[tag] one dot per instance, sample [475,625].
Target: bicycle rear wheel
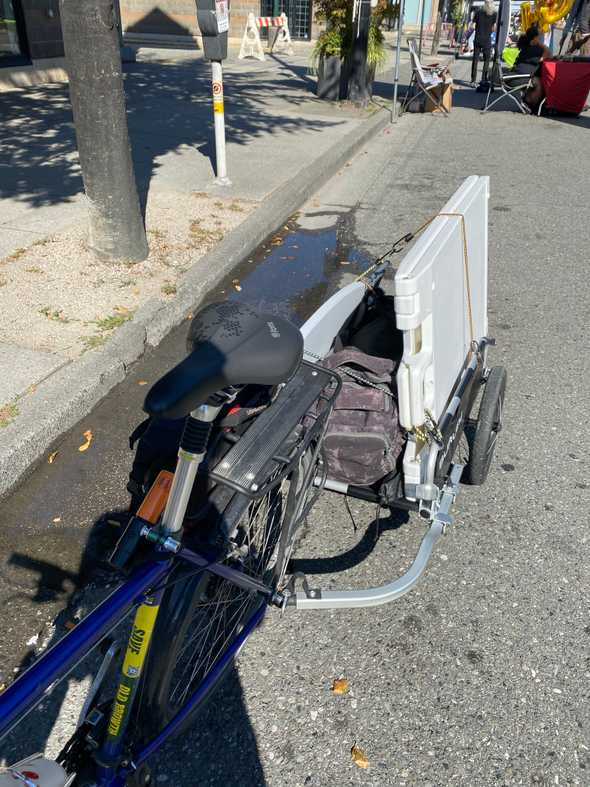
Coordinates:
[201,614]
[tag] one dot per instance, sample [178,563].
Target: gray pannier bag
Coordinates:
[363,438]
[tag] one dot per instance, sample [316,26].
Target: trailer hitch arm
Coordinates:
[371,597]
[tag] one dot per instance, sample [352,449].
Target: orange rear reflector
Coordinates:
[155,500]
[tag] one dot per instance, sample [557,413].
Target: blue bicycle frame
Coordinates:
[29,689]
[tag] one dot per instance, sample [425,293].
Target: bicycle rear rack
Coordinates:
[315,598]
[264,454]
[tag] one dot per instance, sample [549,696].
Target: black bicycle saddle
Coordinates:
[229,344]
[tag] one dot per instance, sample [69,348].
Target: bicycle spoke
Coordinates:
[216,615]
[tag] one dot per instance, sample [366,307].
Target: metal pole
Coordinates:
[400,27]
[219,118]
[421,28]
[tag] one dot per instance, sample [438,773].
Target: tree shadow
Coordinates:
[168,107]
[355,556]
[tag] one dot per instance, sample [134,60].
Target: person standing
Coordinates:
[580,42]
[485,24]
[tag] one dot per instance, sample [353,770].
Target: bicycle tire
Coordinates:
[489,424]
[200,615]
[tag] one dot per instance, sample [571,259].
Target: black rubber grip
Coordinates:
[195,436]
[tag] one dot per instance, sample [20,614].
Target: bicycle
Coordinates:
[201,594]
[208,550]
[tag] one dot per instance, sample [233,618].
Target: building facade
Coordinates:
[177,19]
[30,30]
[414,9]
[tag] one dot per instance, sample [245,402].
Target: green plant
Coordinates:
[376,54]
[121,316]
[56,315]
[8,413]
[335,13]
[329,44]
[385,10]
[336,40]
[457,12]
[92,342]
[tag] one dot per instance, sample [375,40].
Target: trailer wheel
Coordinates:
[489,424]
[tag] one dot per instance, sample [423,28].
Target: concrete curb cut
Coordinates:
[63,399]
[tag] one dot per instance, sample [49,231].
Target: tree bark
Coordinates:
[91,43]
[357,81]
[437,29]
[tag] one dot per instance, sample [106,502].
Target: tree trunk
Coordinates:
[438,27]
[357,81]
[91,43]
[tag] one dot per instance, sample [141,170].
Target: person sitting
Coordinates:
[528,63]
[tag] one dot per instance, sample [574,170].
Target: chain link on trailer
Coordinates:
[359,378]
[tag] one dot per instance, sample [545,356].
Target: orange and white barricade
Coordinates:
[251,43]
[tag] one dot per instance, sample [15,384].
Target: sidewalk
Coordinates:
[69,324]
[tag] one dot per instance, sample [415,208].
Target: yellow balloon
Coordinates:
[550,14]
[526,16]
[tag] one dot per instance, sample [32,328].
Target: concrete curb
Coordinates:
[63,399]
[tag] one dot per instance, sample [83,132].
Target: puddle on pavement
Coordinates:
[295,269]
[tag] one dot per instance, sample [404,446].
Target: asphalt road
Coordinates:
[481,675]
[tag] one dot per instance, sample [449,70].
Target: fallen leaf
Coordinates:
[2,686]
[359,757]
[340,686]
[142,382]
[70,624]
[51,457]
[85,446]
[56,520]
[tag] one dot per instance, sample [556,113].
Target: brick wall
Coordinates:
[43,28]
[178,17]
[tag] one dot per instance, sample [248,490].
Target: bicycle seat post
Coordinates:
[193,447]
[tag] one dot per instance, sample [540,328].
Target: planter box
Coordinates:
[329,74]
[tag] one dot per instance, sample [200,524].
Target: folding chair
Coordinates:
[425,78]
[505,81]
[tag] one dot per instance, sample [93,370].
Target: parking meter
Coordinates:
[213,19]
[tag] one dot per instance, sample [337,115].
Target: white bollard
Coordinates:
[219,118]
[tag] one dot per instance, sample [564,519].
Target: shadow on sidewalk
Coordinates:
[168,107]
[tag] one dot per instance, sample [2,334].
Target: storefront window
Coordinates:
[10,41]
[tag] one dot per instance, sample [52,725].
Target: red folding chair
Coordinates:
[566,84]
